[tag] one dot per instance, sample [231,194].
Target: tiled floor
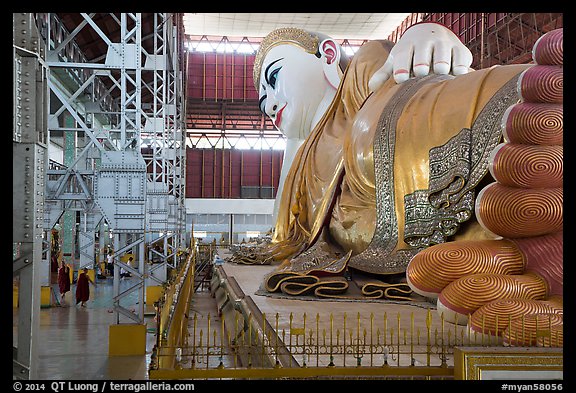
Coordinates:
[73,343]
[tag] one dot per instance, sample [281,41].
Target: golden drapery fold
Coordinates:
[317,168]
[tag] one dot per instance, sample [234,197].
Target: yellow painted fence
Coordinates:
[240,342]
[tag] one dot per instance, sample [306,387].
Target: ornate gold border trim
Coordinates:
[469,363]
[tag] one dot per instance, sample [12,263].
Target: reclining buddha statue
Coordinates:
[407,172]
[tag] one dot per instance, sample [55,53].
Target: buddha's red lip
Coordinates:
[278,119]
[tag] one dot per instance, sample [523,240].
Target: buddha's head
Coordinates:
[294,72]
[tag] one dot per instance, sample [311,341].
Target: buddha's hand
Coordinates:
[512,287]
[422,49]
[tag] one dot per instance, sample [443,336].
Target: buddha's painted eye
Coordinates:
[273,77]
[262,103]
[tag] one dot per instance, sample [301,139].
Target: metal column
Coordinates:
[29,153]
[165,139]
[69,217]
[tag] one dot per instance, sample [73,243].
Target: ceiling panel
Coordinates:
[336,25]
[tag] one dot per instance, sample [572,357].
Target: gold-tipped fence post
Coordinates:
[290,332]
[455,330]
[344,341]
[263,339]
[222,336]
[236,338]
[249,340]
[429,336]
[371,339]
[214,342]
[277,362]
[194,327]
[398,334]
[317,339]
[243,345]
[208,342]
[331,364]
[412,360]
[304,343]
[442,320]
[288,350]
[200,345]
[358,356]
[392,343]
[337,338]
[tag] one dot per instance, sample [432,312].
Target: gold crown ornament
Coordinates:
[284,35]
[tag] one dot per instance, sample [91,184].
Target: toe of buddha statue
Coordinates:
[518,322]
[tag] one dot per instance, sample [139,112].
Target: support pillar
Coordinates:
[69,216]
[28,182]
[231,231]
[28,175]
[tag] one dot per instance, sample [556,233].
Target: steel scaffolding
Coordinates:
[101,85]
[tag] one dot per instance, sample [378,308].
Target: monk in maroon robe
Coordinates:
[82,288]
[63,279]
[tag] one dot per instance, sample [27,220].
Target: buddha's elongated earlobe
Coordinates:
[330,54]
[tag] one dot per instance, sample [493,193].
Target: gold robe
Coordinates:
[390,173]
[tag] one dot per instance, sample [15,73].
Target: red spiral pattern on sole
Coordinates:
[543,84]
[549,49]
[495,317]
[434,268]
[468,294]
[533,123]
[517,212]
[528,166]
[543,330]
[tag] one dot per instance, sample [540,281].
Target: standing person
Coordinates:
[54,265]
[63,280]
[83,287]
[110,263]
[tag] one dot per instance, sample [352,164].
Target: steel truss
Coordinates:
[110,103]
[163,135]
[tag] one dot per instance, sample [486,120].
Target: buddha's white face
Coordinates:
[292,88]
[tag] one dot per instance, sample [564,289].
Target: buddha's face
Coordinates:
[292,86]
